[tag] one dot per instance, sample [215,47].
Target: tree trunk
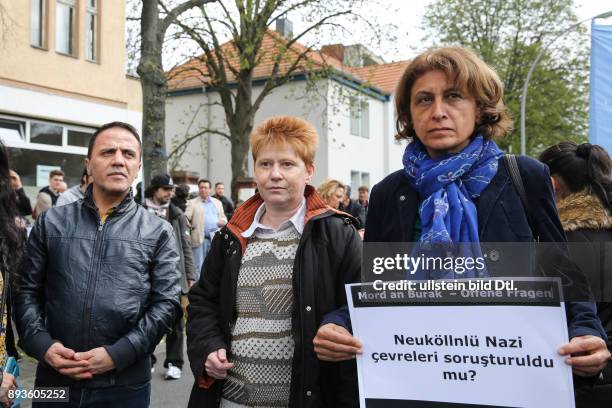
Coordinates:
[241,126]
[154,89]
[239,152]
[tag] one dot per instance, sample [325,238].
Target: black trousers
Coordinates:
[174,344]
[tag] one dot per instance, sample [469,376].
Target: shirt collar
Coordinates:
[151,203]
[104,216]
[297,220]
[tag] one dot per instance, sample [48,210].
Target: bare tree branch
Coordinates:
[194,136]
[229,69]
[154,83]
[275,81]
[285,12]
[173,14]
[232,24]
[6,22]
[214,65]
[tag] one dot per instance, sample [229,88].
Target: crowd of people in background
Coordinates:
[105,274]
[220,207]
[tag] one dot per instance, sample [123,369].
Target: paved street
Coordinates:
[164,393]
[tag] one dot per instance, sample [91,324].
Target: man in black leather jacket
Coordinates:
[100,285]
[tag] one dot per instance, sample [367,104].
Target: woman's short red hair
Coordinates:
[290,130]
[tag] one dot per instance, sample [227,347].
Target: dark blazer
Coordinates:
[394,204]
[501,218]
[393,211]
[180,225]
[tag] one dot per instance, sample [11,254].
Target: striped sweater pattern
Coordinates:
[262,341]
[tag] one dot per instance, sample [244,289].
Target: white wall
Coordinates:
[188,115]
[355,153]
[395,149]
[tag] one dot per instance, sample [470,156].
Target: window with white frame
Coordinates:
[91,31]
[78,137]
[38,23]
[358,179]
[34,144]
[46,133]
[360,116]
[29,163]
[12,131]
[16,130]
[65,27]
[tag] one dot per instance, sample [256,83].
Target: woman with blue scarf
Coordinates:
[455,188]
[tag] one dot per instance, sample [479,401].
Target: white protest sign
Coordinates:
[475,347]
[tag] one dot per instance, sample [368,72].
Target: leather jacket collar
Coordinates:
[124,205]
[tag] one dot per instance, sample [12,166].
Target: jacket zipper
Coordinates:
[91,280]
[302,391]
[297,269]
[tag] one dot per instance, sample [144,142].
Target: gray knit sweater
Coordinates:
[262,342]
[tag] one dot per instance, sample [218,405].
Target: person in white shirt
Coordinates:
[205,213]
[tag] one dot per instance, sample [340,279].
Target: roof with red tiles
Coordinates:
[383,76]
[194,74]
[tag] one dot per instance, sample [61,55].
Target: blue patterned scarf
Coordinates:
[448,185]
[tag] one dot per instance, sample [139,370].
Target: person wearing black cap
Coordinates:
[157,201]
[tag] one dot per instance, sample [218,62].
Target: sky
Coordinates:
[407,15]
[402,20]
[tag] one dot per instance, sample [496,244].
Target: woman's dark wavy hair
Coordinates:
[11,236]
[581,166]
[467,71]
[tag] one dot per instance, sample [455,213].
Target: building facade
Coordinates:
[352,111]
[62,75]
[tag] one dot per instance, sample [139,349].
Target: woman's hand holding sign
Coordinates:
[588,355]
[334,343]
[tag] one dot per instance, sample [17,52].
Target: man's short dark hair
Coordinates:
[54,173]
[202,180]
[364,189]
[217,184]
[182,191]
[111,125]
